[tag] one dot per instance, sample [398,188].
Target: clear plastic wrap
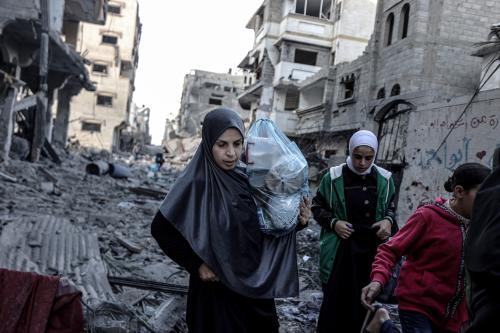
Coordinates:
[278,174]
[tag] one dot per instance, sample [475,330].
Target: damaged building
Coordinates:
[294,40]
[418,85]
[38,60]
[101,118]
[204,91]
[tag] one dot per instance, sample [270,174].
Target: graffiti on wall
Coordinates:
[450,156]
[486,121]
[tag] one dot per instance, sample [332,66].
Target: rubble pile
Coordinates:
[94,229]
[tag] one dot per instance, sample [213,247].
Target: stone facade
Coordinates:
[98,118]
[412,83]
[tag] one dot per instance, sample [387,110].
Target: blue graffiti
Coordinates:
[449,158]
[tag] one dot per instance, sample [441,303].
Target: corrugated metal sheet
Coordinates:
[54,246]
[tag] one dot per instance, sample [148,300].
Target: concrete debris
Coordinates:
[95,230]
[129,245]
[6,177]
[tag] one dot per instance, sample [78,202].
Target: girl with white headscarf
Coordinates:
[355,207]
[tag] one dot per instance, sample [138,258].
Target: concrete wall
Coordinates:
[473,139]
[120,87]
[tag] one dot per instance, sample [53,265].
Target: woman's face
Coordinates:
[362,157]
[228,148]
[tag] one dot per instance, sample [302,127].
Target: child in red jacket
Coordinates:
[431,284]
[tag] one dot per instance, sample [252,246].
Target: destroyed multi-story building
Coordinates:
[295,39]
[38,60]
[204,91]
[99,118]
[415,85]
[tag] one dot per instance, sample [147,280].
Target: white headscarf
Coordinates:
[362,138]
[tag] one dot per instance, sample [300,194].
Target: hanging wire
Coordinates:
[476,92]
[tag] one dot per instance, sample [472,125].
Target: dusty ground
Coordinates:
[119,215]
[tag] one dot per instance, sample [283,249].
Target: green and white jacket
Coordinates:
[332,189]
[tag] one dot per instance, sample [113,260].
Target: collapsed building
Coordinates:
[37,60]
[204,91]
[419,85]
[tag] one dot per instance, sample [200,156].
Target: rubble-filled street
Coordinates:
[95,230]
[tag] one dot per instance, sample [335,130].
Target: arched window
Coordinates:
[381,93]
[396,90]
[404,20]
[389,27]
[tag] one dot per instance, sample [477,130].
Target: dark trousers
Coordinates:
[414,322]
[389,327]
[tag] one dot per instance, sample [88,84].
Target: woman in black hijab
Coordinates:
[482,257]
[208,224]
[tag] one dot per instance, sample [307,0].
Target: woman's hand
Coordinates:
[384,229]
[343,229]
[206,274]
[305,211]
[369,293]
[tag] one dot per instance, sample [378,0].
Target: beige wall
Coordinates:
[84,106]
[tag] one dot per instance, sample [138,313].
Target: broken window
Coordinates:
[90,126]
[259,19]
[99,69]
[338,10]
[227,89]
[214,101]
[396,90]
[381,93]
[348,84]
[291,100]
[126,69]
[404,20]
[114,9]
[389,26]
[332,59]
[104,100]
[305,57]
[315,8]
[326,10]
[109,39]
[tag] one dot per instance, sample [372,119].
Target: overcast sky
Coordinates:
[178,36]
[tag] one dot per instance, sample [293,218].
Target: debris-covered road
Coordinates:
[95,230]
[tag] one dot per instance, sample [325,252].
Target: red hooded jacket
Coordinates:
[431,280]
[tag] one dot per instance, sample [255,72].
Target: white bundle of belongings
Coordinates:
[277,172]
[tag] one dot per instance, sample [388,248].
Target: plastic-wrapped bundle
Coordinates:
[277,172]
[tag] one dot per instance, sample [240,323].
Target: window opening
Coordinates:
[305,57]
[91,127]
[104,100]
[114,9]
[214,101]
[389,26]
[381,93]
[108,39]
[100,68]
[404,21]
[396,90]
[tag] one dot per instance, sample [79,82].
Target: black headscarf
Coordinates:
[482,245]
[214,210]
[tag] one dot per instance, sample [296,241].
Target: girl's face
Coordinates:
[227,149]
[465,199]
[362,158]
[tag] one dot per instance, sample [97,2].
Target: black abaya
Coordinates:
[212,307]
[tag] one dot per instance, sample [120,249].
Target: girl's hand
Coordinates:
[369,293]
[206,274]
[384,229]
[305,211]
[343,229]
